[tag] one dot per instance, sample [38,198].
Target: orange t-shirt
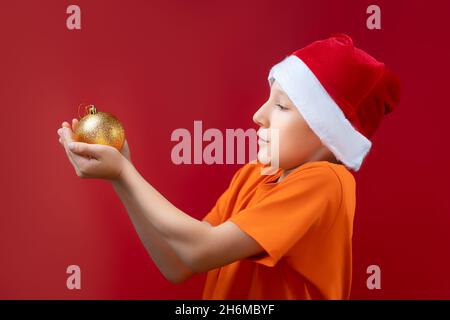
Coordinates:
[304,223]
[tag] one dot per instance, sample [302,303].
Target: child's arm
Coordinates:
[179,244]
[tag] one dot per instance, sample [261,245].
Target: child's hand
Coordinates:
[92,160]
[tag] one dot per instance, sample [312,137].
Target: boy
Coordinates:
[281,236]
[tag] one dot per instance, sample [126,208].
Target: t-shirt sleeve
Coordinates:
[286,213]
[214,216]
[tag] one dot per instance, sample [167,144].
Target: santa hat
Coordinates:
[342,93]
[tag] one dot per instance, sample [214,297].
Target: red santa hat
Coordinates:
[342,93]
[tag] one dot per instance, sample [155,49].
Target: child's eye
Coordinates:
[281,107]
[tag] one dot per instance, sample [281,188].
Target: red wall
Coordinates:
[160,65]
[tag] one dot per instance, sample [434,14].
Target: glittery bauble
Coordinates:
[100,128]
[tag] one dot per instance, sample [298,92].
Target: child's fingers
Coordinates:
[65,124]
[61,136]
[67,135]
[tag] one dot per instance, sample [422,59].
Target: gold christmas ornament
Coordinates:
[99,128]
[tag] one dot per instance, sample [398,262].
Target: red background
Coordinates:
[160,65]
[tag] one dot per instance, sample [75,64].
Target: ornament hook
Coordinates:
[79,117]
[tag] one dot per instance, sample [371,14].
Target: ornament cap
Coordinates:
[91,109]
[88,109]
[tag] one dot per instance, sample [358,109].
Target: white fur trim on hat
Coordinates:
[320,111]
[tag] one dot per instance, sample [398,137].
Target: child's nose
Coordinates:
[260,118]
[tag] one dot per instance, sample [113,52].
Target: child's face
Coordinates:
[298,144]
